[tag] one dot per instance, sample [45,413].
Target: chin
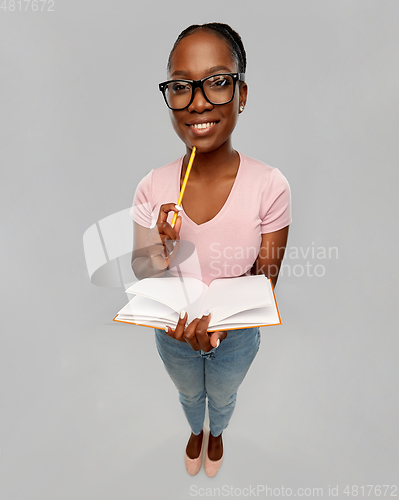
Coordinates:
[203,146]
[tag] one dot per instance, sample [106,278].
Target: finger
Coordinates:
[172,334]
[159,262]
[181,325]
[156,253]
[168,237]
[165,231]
[201,332]
[172,247]
[155,249]
[161,241]
[155,244]
[216,338]
[164,210]
[178,226]
[169,331]
[189,335]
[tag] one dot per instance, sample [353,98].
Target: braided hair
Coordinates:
[223,31]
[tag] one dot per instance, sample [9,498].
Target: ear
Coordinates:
[243,93]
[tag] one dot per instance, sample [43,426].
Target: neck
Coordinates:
[214,163]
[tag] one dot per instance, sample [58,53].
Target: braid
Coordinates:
[224,31]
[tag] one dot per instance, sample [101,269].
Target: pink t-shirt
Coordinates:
[227,245]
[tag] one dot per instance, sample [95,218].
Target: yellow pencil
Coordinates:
[183,187]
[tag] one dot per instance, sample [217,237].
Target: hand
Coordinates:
[196,333]
[162,240]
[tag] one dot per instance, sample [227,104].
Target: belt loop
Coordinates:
[208,355]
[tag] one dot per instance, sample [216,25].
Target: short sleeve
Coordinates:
[141,211]
[276,203]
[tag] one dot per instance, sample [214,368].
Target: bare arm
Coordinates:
[152,248]
[141,264]
[271,253]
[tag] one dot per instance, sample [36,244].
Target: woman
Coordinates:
[232,204]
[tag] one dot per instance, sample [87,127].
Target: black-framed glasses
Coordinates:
[217,89]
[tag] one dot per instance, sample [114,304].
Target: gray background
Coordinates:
[87,409]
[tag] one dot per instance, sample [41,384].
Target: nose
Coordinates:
[199,104]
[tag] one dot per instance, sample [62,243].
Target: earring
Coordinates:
[241,108]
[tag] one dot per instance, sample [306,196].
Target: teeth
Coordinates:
[203,125]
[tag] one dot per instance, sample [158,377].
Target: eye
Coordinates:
[220,81]
[180,87]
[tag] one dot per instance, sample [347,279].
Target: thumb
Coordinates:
[178,226]
[215,336]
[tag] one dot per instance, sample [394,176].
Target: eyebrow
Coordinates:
[210,70]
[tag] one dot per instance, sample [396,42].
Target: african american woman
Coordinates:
[235,213]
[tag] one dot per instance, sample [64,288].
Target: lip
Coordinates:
[201,120]
[201,131]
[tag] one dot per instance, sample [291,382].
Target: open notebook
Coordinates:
[234,303]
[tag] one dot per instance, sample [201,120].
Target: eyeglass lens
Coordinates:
[218,89]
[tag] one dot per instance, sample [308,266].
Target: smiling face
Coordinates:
[204,125]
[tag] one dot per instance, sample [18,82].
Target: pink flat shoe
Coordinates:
[193,465]
[211,466]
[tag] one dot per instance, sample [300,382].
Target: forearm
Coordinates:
[142,269]
[271,254]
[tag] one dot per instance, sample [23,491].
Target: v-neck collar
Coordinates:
[215,219]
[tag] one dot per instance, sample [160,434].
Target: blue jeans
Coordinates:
[216,374]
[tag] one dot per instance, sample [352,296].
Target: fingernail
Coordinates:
[182,314]
[166,329]
[218,343]
[206,313]
[178,207]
